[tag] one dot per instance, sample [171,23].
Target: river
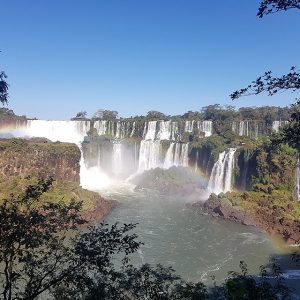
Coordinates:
[197,246]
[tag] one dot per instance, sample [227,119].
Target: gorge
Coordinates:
[218,158]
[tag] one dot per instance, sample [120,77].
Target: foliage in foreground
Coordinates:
[43,252]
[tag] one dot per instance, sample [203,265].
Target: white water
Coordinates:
[63,131]
[206,127]
[149,155]
[117,159]
[189,126]
[101,127]
[164,132]
[221,175]
[151,130]
[169,160]
[276,125]
[175,131]
[177,155]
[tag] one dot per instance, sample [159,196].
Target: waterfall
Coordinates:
[189,126]
[174,131]
[206,127]
[133,129]
[221,175]
[151,130]
[118,134]
[276,125]
[164,132]
[298,180]
[63,131]
[149,155]
[177,155]
[169,160]
[196,163]
[117,158]
[184,157]
[101,127]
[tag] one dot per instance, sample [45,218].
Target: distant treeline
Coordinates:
[215,112]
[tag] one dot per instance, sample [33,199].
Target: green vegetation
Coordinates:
[43,253]
[60,191]
[39,144]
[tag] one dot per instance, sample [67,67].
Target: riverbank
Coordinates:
[277,213]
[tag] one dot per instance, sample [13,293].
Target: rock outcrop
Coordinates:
[174,181]
[39,157]
[22,162]
[277,220]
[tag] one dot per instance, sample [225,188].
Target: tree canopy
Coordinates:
[272,6]
[106,114]
[81,114]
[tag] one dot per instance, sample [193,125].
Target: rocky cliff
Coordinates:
[23,162]
[39,157]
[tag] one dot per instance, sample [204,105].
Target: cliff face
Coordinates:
[40,158]
[22,162]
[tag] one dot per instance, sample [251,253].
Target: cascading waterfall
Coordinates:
[206,127]
[276,125]
[149,155]
[133,130]
[71,132]
[189,126]
[184,158]
[250,128]
[196,163]
[169,159]
[101,127]
[117,158]
[63,131]
[174,131]
[221,175]
[177,155]
[164,132]
[151,130]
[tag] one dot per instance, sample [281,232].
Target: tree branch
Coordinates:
[270,84]
[273,6]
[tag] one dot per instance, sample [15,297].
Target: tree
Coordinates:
[81,114]
[41,247]
[273,6]
[43,253]
[267,82]
[105,114]
[3,88]
[155,115]
[270,84]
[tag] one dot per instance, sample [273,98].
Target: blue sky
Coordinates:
[63,56]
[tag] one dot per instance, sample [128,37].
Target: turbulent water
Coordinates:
[196,245]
